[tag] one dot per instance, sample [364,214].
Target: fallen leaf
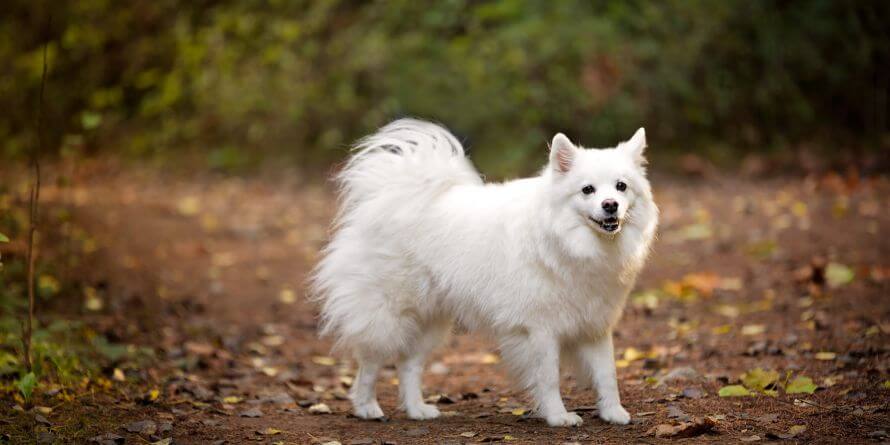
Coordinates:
[753,329]
[759,380]
[253,413]
[751,438]
[144,427]
[693,393]
[287,296]
[320,408]
[269,432]
[631,354]
[519,411]
[108,439]
[699,426]
[825,355]
[232,400]
[801,385]
[417,432]
[189,206]
[167,441]
[118,375]
[324,361]
[837,275]
[793,432]
[490,359]
[468,434]
[40,419]
[734,391]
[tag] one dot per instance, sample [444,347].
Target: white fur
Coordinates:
[421,242]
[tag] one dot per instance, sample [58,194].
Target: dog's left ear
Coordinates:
[635,146]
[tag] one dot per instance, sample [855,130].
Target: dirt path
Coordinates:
[214,269]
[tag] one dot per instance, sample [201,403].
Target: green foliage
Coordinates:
[62,350]
[26,385]
[4,238]
[308,77]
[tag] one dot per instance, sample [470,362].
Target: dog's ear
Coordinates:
[562,153]
[635,146]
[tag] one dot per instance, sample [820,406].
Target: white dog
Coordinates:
[542,264]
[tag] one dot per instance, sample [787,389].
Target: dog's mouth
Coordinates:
[609,225]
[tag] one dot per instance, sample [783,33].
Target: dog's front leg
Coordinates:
[534,358]
[598,359]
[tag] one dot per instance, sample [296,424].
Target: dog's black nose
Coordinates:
[610,206]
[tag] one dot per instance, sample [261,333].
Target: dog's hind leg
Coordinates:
[411,372]
[364,393]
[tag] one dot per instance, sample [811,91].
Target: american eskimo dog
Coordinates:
[543,264]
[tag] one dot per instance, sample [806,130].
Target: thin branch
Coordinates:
[33,214]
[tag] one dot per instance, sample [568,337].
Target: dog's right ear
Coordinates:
[562,153]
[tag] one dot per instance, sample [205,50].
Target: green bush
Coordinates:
[305,78]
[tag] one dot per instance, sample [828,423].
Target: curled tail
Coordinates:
[406,157]
[391,178]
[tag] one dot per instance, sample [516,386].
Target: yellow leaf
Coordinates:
[723,329]
[324,361]
[287,296]
[631,354]
[518,411]
[753,329]
[825,355]
[118,375]
[153,395]
[490,359]
[231,400]
[622,363]
[508,438]
[727,310]
[270,431]
[189,206]
[758,379]
[92,300]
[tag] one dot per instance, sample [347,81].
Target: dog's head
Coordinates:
[602,189]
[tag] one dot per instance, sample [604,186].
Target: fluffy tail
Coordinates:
[393,175]
[408,157]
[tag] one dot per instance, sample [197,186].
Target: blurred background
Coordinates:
[184,148]
[233,83]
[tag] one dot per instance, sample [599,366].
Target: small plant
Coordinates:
[26,386]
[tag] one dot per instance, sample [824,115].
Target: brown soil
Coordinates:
[202,270]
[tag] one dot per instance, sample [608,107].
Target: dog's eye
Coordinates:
[588,189]
[621,186]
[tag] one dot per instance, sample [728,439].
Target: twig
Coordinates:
[834,410]
[33,214]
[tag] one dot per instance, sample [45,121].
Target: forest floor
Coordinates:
[785,274]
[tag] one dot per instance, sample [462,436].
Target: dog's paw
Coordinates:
[422,411]
[564,419]
[615,414]
[368,411]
